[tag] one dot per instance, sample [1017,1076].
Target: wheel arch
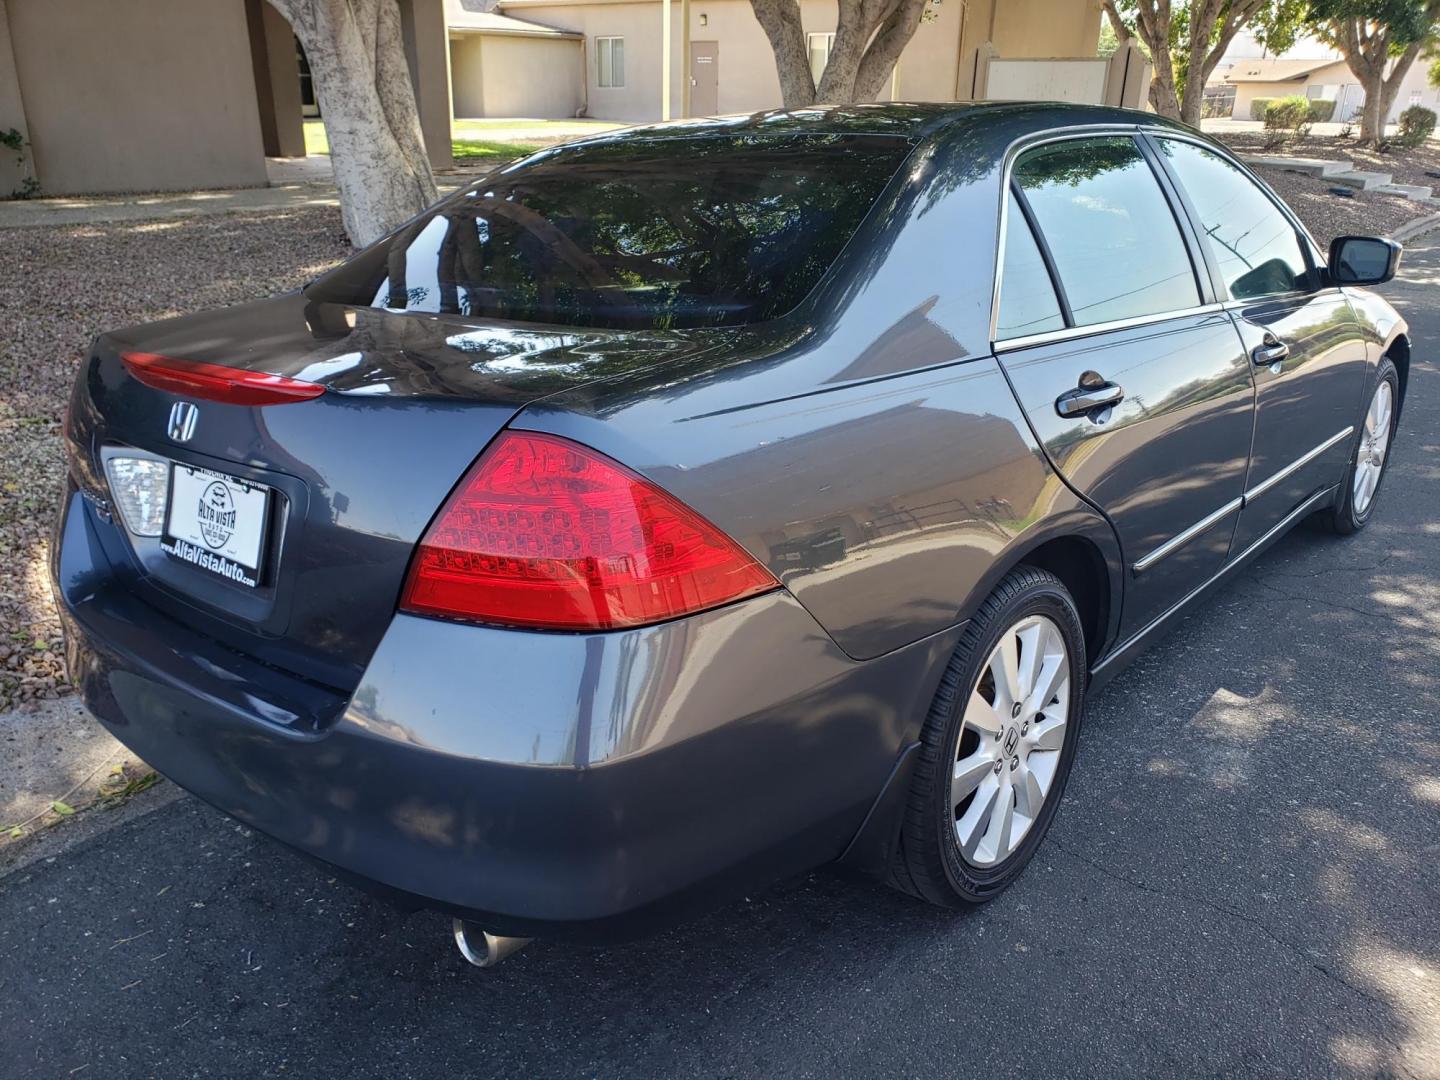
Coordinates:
[1081,566]
[1398,350]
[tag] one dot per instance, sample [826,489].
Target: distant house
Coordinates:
[1320,79]
[722,61]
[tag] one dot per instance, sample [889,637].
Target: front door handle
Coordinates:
[1270,351]
[1087,398]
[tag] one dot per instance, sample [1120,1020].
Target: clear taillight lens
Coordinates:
[544,532]
[140,487]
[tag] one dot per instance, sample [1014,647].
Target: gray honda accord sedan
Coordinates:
[676,510]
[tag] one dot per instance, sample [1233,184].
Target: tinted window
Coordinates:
[1027,296]
[1254,243]
[1110,231]
[664,233]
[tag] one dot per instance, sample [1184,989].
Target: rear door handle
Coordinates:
[1085,399]
[1270,351]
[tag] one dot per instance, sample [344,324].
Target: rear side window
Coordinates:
[1254,244]
[661,233]
[1028,304]
[1114,240]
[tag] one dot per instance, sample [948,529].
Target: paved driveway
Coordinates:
[1243,879]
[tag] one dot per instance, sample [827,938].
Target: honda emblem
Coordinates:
[183,418]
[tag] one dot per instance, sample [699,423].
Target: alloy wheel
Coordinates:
[1374,442]
[1010,744]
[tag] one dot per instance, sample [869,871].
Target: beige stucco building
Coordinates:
[721,61]
[1323,79]
[171,95]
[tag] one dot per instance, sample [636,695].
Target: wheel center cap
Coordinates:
[1012,740]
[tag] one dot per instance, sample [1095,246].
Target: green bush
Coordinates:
[1258,107]
[1321,110]
[1416,125]
[1287,113]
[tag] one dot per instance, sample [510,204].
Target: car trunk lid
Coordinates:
[349,479]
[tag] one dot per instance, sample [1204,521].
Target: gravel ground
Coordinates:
[1406,166]
[1327,215]
[61,286]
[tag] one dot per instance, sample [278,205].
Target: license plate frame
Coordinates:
[217,522]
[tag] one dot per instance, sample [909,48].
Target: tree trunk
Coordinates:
[1183,98]
[780,19]
[1372,116]
[362,83]
[870,35]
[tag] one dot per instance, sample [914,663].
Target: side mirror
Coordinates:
[1363,260]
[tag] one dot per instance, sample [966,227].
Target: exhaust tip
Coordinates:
[482,948]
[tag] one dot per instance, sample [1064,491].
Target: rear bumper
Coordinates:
[584,785]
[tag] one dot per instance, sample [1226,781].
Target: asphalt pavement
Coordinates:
[1244,878]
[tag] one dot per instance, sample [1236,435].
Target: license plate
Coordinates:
[217,522]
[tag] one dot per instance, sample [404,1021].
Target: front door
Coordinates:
[1133,378]
[1306,350]
[704,78]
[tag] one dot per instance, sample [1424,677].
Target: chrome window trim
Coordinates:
[1050,135]
[1299,463]
[1043,138]
[1070,332]
[1181,539]
[1012,151]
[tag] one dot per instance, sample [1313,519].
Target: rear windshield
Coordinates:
[661,233]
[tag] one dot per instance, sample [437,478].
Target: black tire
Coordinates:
[1342,519]
[928,862]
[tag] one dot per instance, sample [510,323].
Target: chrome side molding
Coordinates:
[1209,521]
[1117,657]
[1181,539]
[1299,463]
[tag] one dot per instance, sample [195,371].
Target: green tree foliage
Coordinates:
[1380,40]
[1187,38]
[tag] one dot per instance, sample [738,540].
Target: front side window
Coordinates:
[665,233]
[1113,238]
[1028,304]
[610,59]
[1255,245]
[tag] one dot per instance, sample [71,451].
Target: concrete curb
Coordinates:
[1415,228]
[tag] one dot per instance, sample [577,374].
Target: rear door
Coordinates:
[1305,345]
[1128,369]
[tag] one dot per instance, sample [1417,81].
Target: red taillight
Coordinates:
[544,532]
[215,382]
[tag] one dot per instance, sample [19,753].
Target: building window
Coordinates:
[1414,97]
[1218,100]
[610,57]
[820,46]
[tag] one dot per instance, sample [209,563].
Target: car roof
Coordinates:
[912,120]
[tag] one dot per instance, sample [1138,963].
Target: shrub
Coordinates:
[1416,125]
[1287,113]
[1321,110]
[1258,107]
[1285,118]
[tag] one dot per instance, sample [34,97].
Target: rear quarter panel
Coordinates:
[867,449]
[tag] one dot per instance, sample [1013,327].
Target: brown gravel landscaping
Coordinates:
[1327,215]
[65,285]
[1407,166]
